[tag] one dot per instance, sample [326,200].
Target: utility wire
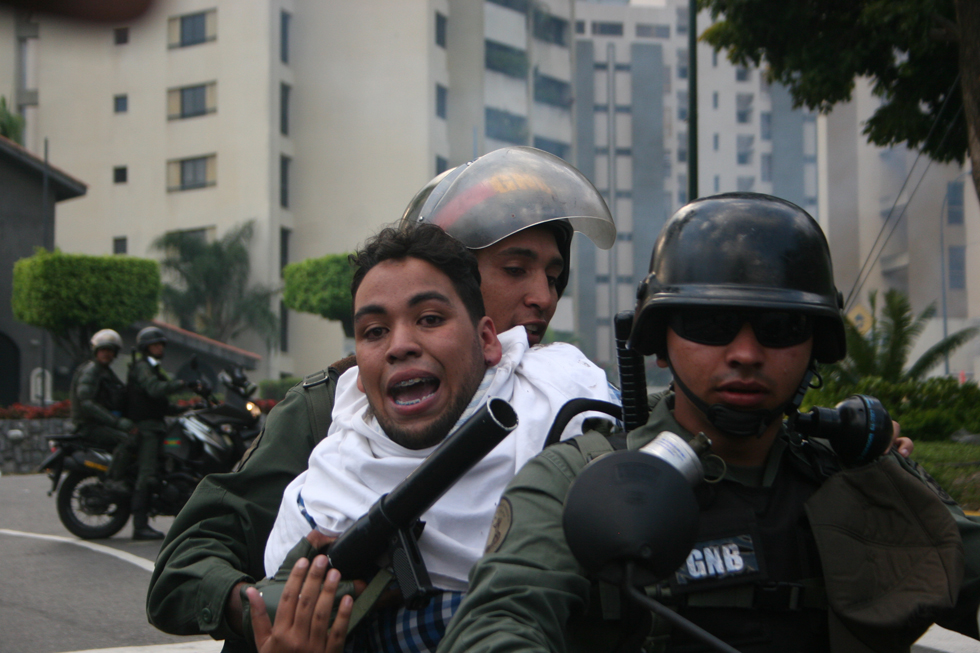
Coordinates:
[868,262]
[902,214]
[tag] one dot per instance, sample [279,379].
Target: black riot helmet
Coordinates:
[511,189]
[149,336]
[741,250]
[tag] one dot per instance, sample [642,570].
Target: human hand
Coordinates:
[904,446]
[303,617]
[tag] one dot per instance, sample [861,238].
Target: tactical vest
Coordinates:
[141,405]
[110,392]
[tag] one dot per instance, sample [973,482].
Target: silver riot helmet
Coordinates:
[490,198]
[106,339]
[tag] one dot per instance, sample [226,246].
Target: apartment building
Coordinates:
[318,121]
[896,220]
[631,82]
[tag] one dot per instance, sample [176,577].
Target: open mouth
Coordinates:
[413,391]
[535,332]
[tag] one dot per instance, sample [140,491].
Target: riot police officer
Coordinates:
[98,400]
[148,388]
[792,552]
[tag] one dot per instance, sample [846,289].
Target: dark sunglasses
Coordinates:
[718,327]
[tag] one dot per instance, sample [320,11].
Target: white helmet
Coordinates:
[106,338]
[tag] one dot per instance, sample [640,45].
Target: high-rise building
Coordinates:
[316,120]
[896,220]
[631,83]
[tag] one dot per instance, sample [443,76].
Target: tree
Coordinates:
[72,296]
[211,294]
[884,350]
[913,50]
[11,124]
[321,286]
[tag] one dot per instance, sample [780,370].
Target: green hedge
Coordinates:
[929,410]
[277,388]
[956,466]
[321,286]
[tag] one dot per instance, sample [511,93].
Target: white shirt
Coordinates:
[357,463]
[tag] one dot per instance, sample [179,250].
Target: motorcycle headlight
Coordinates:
[253,409]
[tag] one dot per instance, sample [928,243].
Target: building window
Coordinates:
[682,62]
[549,90]
[682,105]
[717,183]
[954,202]
[505,59]
[743,108]
[550,29]
[442,94]
[714,100]
[284,235]
[284,162]
[191,101]
[714,58]
[682,189]
[506,126]
[606,29]
[649,31]
[765,126]
[442,164]
[283,327]
[516,5]
[284,90]
[765,162]
[119,175]
[682,147]
[715,141]
[668,164]
[559,149]
[192,29]
[741,74]
[119,245]
[744,146]
[284,20]
[683,19]
[120,103]
[957,267]
[190,173]
[745,184]
[120,35]
[441,23]
[668,73]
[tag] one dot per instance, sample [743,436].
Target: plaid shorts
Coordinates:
[400,630]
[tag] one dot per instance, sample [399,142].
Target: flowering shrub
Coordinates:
[60,409]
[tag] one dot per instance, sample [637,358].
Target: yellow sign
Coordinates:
[860,317]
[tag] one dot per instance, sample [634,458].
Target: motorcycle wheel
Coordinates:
[88,510]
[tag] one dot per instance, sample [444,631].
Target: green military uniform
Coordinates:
[529,593]
[218,539]
[149,387]
[97,399]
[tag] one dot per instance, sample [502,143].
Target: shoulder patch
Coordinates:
[502,520]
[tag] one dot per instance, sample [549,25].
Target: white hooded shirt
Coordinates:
[357,463]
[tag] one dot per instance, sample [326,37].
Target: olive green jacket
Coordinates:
[95,389]
[218,539]
[529,593]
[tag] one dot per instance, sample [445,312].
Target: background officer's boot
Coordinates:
[141,529]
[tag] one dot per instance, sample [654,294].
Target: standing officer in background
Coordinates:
[740,304]
[98,399]
[149,387]
[516,208]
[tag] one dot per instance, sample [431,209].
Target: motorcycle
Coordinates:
[209,438]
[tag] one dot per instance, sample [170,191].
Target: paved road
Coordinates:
[59,594]
[55,594]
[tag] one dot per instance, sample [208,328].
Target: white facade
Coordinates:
[380,96]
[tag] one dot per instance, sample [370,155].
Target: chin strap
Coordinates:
[744,423]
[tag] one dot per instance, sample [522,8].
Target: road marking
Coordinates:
[201,646]
[142,563]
